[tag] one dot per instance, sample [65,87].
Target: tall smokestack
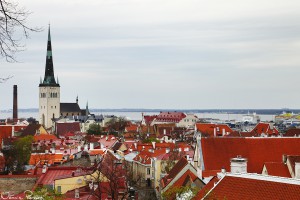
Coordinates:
[15,106]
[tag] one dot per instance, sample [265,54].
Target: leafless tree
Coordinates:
[3,80]
[13,20]
[109,177]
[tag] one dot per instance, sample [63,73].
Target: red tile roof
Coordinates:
[46,137]
[173,172]
[217,152]
[293,159]
[206,188]
[49,157]
[64,128]
[265,128]
[170,117]
[53,173]
[149,118]
[132,128]
[277,169]
[208,129]
[293,132]
[233,187]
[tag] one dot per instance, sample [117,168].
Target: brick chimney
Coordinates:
[15,104]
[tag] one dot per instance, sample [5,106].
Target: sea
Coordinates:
[137,116]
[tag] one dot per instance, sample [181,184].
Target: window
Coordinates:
[59,189]
[148,171]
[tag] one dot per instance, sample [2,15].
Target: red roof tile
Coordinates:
[209,129]
[46,137]
[265,128]
[53,173]
[217,152]
[174,171]
[231,187]
[64,128]
[277,169]
[170,117]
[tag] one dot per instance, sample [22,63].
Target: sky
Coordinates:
[165,54]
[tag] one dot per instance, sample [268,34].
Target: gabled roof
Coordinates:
[31,129]
[210,129]
[218,151]
[293,159]
[53,173]
[41,158]
[277,169]
[44,137]
[174,171]
[170,117]
[70,107]
[255,187]
[292,132]
[265,128]
[149,118]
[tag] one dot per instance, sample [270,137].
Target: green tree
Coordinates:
[117,124]
[183,192]
[94,129]
[44,193]
[23,148]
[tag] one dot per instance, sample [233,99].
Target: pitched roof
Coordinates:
[277,169]
[293,159]
[31,129]
[174,171]
[53,173]
[70,107]
[218,151]
[210,129]
[255,187]
[64,128]
[35,158]
[170,116]
[265,128]
[292,132]
[44,137]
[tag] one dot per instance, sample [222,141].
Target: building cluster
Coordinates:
[171,155]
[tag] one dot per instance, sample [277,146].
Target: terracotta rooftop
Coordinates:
[64,128]
[53,173]
[210,129]
[174,171]
[265,128]
[217,152]
[277,169]
[255,187]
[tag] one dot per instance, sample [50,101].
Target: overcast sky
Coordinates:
[175,54]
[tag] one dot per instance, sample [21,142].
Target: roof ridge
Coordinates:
[262,177]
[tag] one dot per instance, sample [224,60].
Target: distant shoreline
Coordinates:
[229,111]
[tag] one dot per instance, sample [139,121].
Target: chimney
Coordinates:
[153,144]
[167,150]
[91,146]
[15,104]
[44,169]
[284,158]
[238,165]
[297,170]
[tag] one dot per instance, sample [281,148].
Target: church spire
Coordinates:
[49,79]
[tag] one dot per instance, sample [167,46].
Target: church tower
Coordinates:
[49,91]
